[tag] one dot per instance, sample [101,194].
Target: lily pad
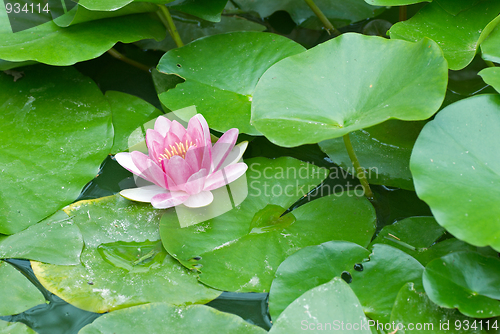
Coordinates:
[14,328]
[415,308]
[388,269]
[346,11]
[384,150]
[123,263]
[18,294]
[56,130]
[300,271]
[207,10]
[113,5]
[157,317]
[453,168]
[458,34]
[307,98]
[53,240]
[80,14]
[491,76]
[77,43]
[260,227]
[490,48]
[222,90]
[412,235]
[465,280]
[332,305]
[190,30]
[130,113]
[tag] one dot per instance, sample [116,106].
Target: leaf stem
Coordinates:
[489,63]
[403,13]
[129,61]
[360,172]
[167,20]
[324,20]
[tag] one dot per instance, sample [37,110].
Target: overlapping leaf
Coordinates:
[456,173]
[56,130]
[492,77]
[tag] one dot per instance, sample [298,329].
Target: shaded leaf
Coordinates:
[492,77]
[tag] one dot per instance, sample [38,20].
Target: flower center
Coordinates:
[179,149]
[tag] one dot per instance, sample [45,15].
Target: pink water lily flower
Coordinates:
[182,164]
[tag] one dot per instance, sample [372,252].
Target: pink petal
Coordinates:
[195,183]
[179,171]
[222,148]
[169,199]
[195,130]
[153,137]
[125,160]
[149,169]
[177,129]
[235,155]
[162,125]
[225,176]
[201,199]
[194,156]
[142,194]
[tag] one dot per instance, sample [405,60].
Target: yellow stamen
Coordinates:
[179,149]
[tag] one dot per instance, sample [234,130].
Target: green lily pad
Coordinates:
[412,235]
[80,14]
[158,317]
[465,280]
[491,76]
[53,240]
[394,2]
[301,271]
[56,130]
[307,98]
[14,328]
[130,113]
[388,269]
[123,263]
[490,48]
[18,294]
[207,10]
[257,227]
[190,30]
[113,5]
[347,11]
[458,34]
[222,90]
[415,308]
[330,306]
[453,168]
[77,43]
[384,150]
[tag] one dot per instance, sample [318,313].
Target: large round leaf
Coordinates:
[56,130]
[14,328]
[163,318]
[456,171]
[457,33]
[491,76]
[130,113]
[18,294]
[299,272]
[79,42]
[309,97]
[123,263]
[53,240]
[413,312]
[384,150]
[221,72]
[465,280]
[332,305]
[248,243]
